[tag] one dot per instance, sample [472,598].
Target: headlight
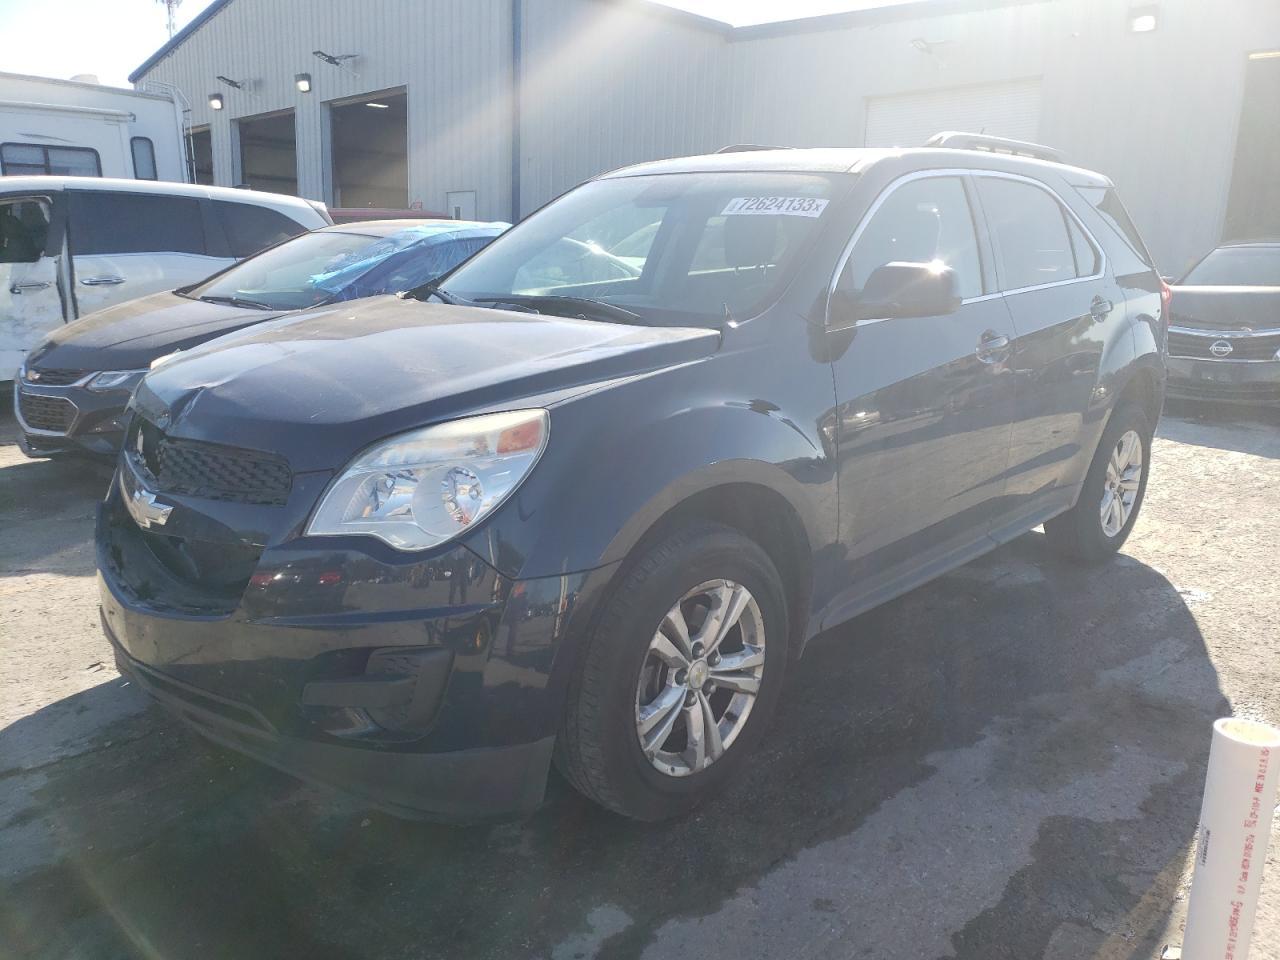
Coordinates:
[109,380]
[426,487]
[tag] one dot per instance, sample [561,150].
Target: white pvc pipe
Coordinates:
[1235,827]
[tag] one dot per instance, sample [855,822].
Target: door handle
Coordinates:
[19,288]
[992,347]
[1100,309]
[102,281]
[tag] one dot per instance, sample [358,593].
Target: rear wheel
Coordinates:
[1100,522]
[680,677]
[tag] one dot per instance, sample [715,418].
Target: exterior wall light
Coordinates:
[303,82]
[215,101]
[1143,19]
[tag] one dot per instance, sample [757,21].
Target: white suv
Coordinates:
[73,245]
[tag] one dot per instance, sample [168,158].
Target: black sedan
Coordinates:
[1224,339]
[71,392]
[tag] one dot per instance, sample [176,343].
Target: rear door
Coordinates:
[924,404]
[126,245]
[30,298]
[1065,311]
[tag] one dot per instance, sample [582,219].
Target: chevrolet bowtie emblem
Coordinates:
[146,510]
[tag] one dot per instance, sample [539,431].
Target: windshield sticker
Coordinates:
[775,206]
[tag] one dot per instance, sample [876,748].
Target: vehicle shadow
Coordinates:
[1000,764]
[1250,430]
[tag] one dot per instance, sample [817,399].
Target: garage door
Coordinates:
[1000,109]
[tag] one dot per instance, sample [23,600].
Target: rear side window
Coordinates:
[1130,255]
[144,158]
[1030,231]
[34,159]
[106,223]
[251,228]
[920,221]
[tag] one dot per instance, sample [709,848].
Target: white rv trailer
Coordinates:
[73,128]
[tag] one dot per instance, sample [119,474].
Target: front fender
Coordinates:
[620,458]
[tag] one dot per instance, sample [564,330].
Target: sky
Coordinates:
[110,38]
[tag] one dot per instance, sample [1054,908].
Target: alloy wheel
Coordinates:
[700,678]
[1120,487]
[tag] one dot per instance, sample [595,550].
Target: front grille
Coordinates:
[55,378]
[213,471]
[1196,347]
[55,414]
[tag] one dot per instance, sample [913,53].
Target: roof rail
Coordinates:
[980,141]
[749,148]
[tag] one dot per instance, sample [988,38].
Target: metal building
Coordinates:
[490,108]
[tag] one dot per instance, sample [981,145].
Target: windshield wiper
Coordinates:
[238,302]
[582,307]
[432,289]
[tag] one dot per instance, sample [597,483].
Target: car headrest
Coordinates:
[750,241]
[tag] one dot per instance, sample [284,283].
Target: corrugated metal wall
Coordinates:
[609,82]
[452,56]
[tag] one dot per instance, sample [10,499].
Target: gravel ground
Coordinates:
[1006,763]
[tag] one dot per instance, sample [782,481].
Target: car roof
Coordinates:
[37,184]
[855,160]
[385,228]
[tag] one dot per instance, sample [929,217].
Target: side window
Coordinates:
[144,158]
[251,228]
[107,223]
[1030,233]
[921,221]
[1130,254]
[1088,258]
[18,159]
[24,229]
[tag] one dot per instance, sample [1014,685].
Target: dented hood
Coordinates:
[319,386]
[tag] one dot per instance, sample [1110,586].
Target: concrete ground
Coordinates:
[1006,763]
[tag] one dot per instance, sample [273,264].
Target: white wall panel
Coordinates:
[999,109]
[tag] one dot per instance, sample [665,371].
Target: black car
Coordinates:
[71,391]
[423,548]
[1224,334]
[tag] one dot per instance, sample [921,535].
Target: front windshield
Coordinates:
[304,272]
[674,248]
[1237,267]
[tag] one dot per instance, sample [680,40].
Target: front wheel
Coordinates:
[680,676]
[1100,522]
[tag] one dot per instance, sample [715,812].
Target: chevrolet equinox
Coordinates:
[585,500]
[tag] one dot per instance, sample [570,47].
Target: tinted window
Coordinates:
[144,158]
[1238,267]
[24,228]
[1030,232]
[1088,258]
[920,222]
[17,159]
[1130,254]
[104,223]
[252,228]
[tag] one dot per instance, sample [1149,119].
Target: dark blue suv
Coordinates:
[586,499]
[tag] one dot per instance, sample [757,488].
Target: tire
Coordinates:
[1082,532]
[599,748]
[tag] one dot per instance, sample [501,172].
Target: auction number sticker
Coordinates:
[775,206]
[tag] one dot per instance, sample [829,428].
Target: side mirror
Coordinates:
[902,290]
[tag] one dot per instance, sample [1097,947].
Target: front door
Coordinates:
[30,302]
[925,405]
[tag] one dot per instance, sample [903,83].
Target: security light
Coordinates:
[379,106]
[303,82]
[1143,19]
[333,59]
[215,101]
[229,82]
